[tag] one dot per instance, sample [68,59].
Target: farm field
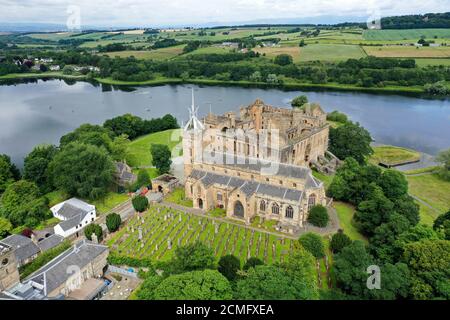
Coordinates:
[413,34]
[407,52]
[210,50]
[433,62]
[138,153]
[158,54]
[326,52]
[272,52]
[162,224]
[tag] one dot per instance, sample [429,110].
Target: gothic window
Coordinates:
[192,189]
[275,208]
[289,212]
[311,201]
[219,196]
[262,205]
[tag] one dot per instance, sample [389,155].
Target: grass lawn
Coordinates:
[178,197]
[152,172]
[210,50]
[111,200]
[272,52]
[391,155]
[408,52]
[326,179]
[56,197]
[422,170]
[432,190]
[138,153]
[345,214]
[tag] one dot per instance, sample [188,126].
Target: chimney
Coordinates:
[34,238]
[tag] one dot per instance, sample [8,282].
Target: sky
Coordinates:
[116,13]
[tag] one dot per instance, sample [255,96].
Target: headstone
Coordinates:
[169,244]
[142,245]
[179,241]
[132,229]
[216,230]
[179,218]
[140,233]
[156,247]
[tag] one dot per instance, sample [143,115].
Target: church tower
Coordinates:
[192,138]
[9,274]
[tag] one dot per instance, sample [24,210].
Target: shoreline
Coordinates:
[416,92]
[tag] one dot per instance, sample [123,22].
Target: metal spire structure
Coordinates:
[194,122]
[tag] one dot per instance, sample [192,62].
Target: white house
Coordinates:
[75,215]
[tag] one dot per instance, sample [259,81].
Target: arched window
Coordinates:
[289,212]
[311,201]
[219,196]
[262,205]
[275,208]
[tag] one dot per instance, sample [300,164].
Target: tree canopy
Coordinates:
[299,101]
[82,170]
[318,216]
[113,221]
[161,157]
[36,166]
[229,265]
[313,243]
[195,256]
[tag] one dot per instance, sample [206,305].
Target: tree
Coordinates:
[140,203]
[350,269]
[318,216]
[339,241]
[143,178]
[36,166]
[252,262]
[393,183]
[91,229]
[429,263]
[313,243]
[272,78]
[442,224]
[373,212]
[8,172]
[113,221]
[283,59]
[161,157]
[382,243]
[5,227]
[195,285]
[266,283]
[302,43]
[300,266]
[444,159]
[82,170]
[22,204]
[337,116]
[350,140]
[407,207]
[299,101]
[417,233]
[229,266]
[195,256]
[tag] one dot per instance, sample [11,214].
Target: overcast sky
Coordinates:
[114,13]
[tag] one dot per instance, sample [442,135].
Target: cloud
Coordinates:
[185,12]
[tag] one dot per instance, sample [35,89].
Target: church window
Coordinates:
[289,212]
[219,196]
[275,208]
[311,201]
[262,205]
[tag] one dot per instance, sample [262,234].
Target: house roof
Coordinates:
[73,207]
[72,222]
[248,187]
[50,242]
[55,273]
[23,247]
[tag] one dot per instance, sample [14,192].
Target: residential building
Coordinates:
[75,215]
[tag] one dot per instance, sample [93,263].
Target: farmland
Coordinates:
[407,34]
[162,227]
[158,54]
[407,52]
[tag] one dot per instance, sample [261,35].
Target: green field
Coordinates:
[158,54]
[432,190]
[327,52]
[229,239]
[138,153]
[392,156]
[407,52]
[408,34]
[433,62]
[345,213]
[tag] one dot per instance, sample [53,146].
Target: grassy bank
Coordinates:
[46,75]
[345,213]
[391,155]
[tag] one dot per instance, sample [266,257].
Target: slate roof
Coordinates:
[69,224]
[248,187]
[24,248]
[258,165]
[50,242]
[54,273]
[73,212]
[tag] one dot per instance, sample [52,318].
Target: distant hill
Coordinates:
[418,21]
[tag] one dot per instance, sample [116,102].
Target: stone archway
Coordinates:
[200,203]
[238,209]
[160,189]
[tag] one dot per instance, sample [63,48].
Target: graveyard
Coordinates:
[156,234]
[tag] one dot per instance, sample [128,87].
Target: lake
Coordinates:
[42,111]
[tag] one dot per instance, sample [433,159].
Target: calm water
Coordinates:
[43,111]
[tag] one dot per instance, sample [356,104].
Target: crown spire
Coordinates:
[194,122]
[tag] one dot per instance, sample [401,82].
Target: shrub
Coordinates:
[140,203]
[91,229]
[113,221]
[318,216]
[339,241]
[252,262]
